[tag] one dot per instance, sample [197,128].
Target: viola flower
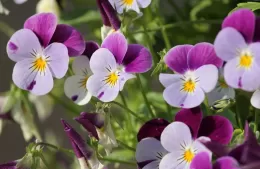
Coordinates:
[86,156]
[197,74]
[41,52]
[75,86]
[237,44]
[121,5]
[113,64]
[10,165]
[222,90]
[98,125]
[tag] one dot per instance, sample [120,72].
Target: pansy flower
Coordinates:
[75,86]
[197,74]
[121,5]
[237,44]
[42,51]
[11,165]
[113,64]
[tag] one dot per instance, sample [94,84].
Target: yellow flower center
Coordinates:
[128,2]
[189,86]
[246,61]
[40,64]
[83,82]
[188,155]
[112,79]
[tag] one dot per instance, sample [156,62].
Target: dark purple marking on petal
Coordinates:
[152,128]
[7,116]
[103,14]
[144,163]
[216,148]
[240,82]
[74,98]
[182,105]
[91,47]
[100,95]
[111,14]
[9,165]
[31,85]
[12,46]
[257,30]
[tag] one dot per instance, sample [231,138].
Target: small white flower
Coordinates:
[121,5]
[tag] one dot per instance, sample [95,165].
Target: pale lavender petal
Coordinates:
[123,78]
[203,54]
[172,161]
[257,28]
[90,48]
[168,79]
[254,48]
[232,73]
[228,43]
[71,38]
[255,99]
[201,161]
[192,118]
[176,58]
[25,77]
[217,128]
[138,59]
[144,3]
[116,43]
[226,163]
[80,66]
[208,77]
[43,25]
[243,20]
[22,44]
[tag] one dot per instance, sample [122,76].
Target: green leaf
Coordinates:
[230,116]
[250,5]
[238,136]
[242,107]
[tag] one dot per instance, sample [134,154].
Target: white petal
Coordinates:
[255,99]
[199,147]
[20,1]
[175,135]
[123,78]
[80,66]
[168,79]
[144,3]
[173,160]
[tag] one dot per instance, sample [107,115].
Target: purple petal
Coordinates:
[243,20]
[257,28]
[203,54]
[9,165]
[43,25]
[103,14]
[59,59]
[116,43]
[237,153]
[228,42]
[176,58]
[192,118]
[217,128]
[27,78]
[111,14]
[91,47]
[216,148]
[78,144]
[138,59]
[201,161]
[152,128]
[226,163]
[22,44]
[71,38]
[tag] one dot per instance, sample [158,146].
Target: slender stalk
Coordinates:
[181,23]
[257,111]
[125,146]
[45,162]
[123,99]
[129,121]
[144,96]
[166,39]
[238,118]
[6,29]
[55,147]
[117,161]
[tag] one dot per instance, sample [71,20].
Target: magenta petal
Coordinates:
[152,128]
[217,149]
[176,58]
[257,28]
[9,165]
[71,38]
[91,47]
[111,14]
[243,20]
[203,54]
[192,118]
[43,25]
[104,16]
[201,161]
[226,163]
[217,128]
[138,59]
[116,43]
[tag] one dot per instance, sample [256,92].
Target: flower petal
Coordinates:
[255,99]
[217,128]
[243,20]
[26,78]
[75,91]
[192,118]
[200,147]
[177,131]
[116,43]
[217,149]
[144,152]
[59,59]
[102,60]
[227,44]
[123,78]
[232,74]
[203,54]
[71,38]
[176,58]
[168,79]
[152,165]
[22,44]
[254,49]
[90,48]
[226,162]
[138,59]
[81,66]
[257,27]
[98,88]
[208,77]
[144,3]
[43,25]
[172,161]
[152,128]
[111,14]
[201,161]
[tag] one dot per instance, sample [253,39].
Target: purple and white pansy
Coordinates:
[41,50]
[121,5]
[197,74]
[113,64]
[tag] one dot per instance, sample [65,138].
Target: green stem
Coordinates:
[144,96]
[123,99]
[55,147]
[257,111]
[6,29]
[169,109]
[129,121]
[129,111]
[117,161]
[166,39]
[45,161]
[123,145]
[181,23]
